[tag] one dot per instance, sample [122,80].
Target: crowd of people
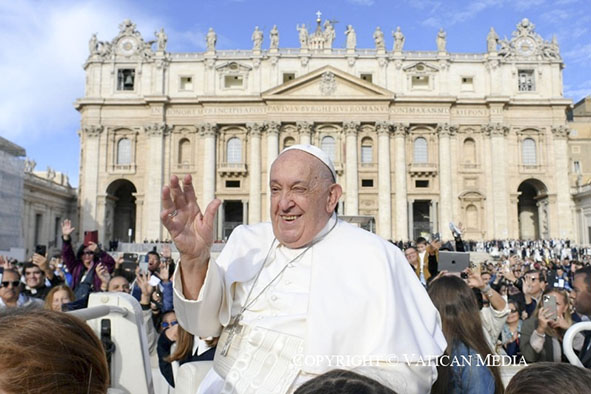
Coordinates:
[308,284]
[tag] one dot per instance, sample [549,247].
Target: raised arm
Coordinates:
[191,231]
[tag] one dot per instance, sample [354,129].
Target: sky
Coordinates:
[44,44]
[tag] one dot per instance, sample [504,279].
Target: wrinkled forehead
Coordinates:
[295,163]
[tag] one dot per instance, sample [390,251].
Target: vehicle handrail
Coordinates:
[98,311]
[567,342]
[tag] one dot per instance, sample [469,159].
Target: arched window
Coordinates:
[472,216]
[184,151]
[234,150]
[288,141]
[367,150]
[124,151]
[420,151]
[328,145]
[529,152]
[469,151]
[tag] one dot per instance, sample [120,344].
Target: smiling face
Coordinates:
[87,256]
[34,277]
[10,293]
[60,298]
[303,197]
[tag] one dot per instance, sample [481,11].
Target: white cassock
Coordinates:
[351,299]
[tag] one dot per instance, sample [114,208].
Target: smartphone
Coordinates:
[549,303]
[41,249]
[144,265]
[475,266]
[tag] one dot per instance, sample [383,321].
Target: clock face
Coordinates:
[525,46]
[127,46]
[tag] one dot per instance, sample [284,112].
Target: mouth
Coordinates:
[289,218]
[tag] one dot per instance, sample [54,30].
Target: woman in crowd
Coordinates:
[67,357]
[186,349]
[83,265]
[462,327]
[512,330]
[541,336]
[58,296]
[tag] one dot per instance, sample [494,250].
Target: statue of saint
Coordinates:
[491,40]
[211,39]
[303,36]
[257,39]
[441,40]
[329,34]
[93,45]
[351,37]
[398,40]
[274,37]
[162,39]
[378,37]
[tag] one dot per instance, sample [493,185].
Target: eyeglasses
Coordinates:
[513,310]
[14,283]
[88,252]
[167,324]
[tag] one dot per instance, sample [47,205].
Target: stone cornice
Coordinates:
[496,129]
[93,130]
[156,129]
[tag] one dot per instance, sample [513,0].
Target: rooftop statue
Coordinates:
[329,34]
[274,38]
[303,36]
[257,39]
[378,37]
[351,37]
[492,40]
[441,40]
[398,40]
[211,39]
[162,38]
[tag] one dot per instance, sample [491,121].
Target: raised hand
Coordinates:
[67,229]
[165,251]
[191,230]
[164,272]
[103,274]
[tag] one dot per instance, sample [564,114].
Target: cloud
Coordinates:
[424,4]
[44,47]
[454,15]
[362,2]
[579,54]
[523,5]
[578,92]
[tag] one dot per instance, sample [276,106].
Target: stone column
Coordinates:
[305,129]
[563,199]
[498,132]
[89,187]
[445,186]
[489,206]
[384,181]
[410,220]
[208,132]
[254,172]
[244,211]
[402,222]
[154,180]
[352,186]
[220,222]
[272,129]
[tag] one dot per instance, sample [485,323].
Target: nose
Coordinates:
[286,201]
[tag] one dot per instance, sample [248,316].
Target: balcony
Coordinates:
[422,169]
[530,168]
[232,169]
[122,168]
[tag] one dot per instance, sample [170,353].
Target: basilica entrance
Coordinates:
[233,216]
[532,208]
[120,211]
[421,219]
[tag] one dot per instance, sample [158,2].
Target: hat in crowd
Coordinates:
[316,152]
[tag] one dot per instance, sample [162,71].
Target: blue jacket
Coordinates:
[469,373]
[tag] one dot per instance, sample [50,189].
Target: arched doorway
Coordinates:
[532,208]
[120,211]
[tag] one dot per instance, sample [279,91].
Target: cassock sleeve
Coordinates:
[200,317]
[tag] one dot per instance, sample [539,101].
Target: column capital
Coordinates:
[351,128]
[401,129]
[494,129]
[207,129]
[93,130]
[255,128]
[156,129]
[305,127]
[272,127]
[383,127]
[560,132]
[446,130]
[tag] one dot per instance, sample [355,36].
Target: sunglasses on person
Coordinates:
[7,283]
[167,324]
[88,252]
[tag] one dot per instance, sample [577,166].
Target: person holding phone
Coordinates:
[542,333]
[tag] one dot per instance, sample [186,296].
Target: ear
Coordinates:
[334,195]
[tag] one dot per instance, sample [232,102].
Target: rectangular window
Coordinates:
[186,83]
[233,81]
[367,77]
[467,83]
[125,79]
[57,230]
[526,81]
[420,81]
[367,183]
[421,184]
[577,167]
[38,227]
[288,77]
[232,184]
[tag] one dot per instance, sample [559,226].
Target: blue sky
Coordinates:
[43,45]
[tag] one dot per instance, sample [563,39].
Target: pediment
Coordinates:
[328,82]
[420,67]
[233,67]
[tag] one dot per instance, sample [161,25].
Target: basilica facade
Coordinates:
[418,138]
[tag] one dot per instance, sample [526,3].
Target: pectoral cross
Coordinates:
[234,329]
